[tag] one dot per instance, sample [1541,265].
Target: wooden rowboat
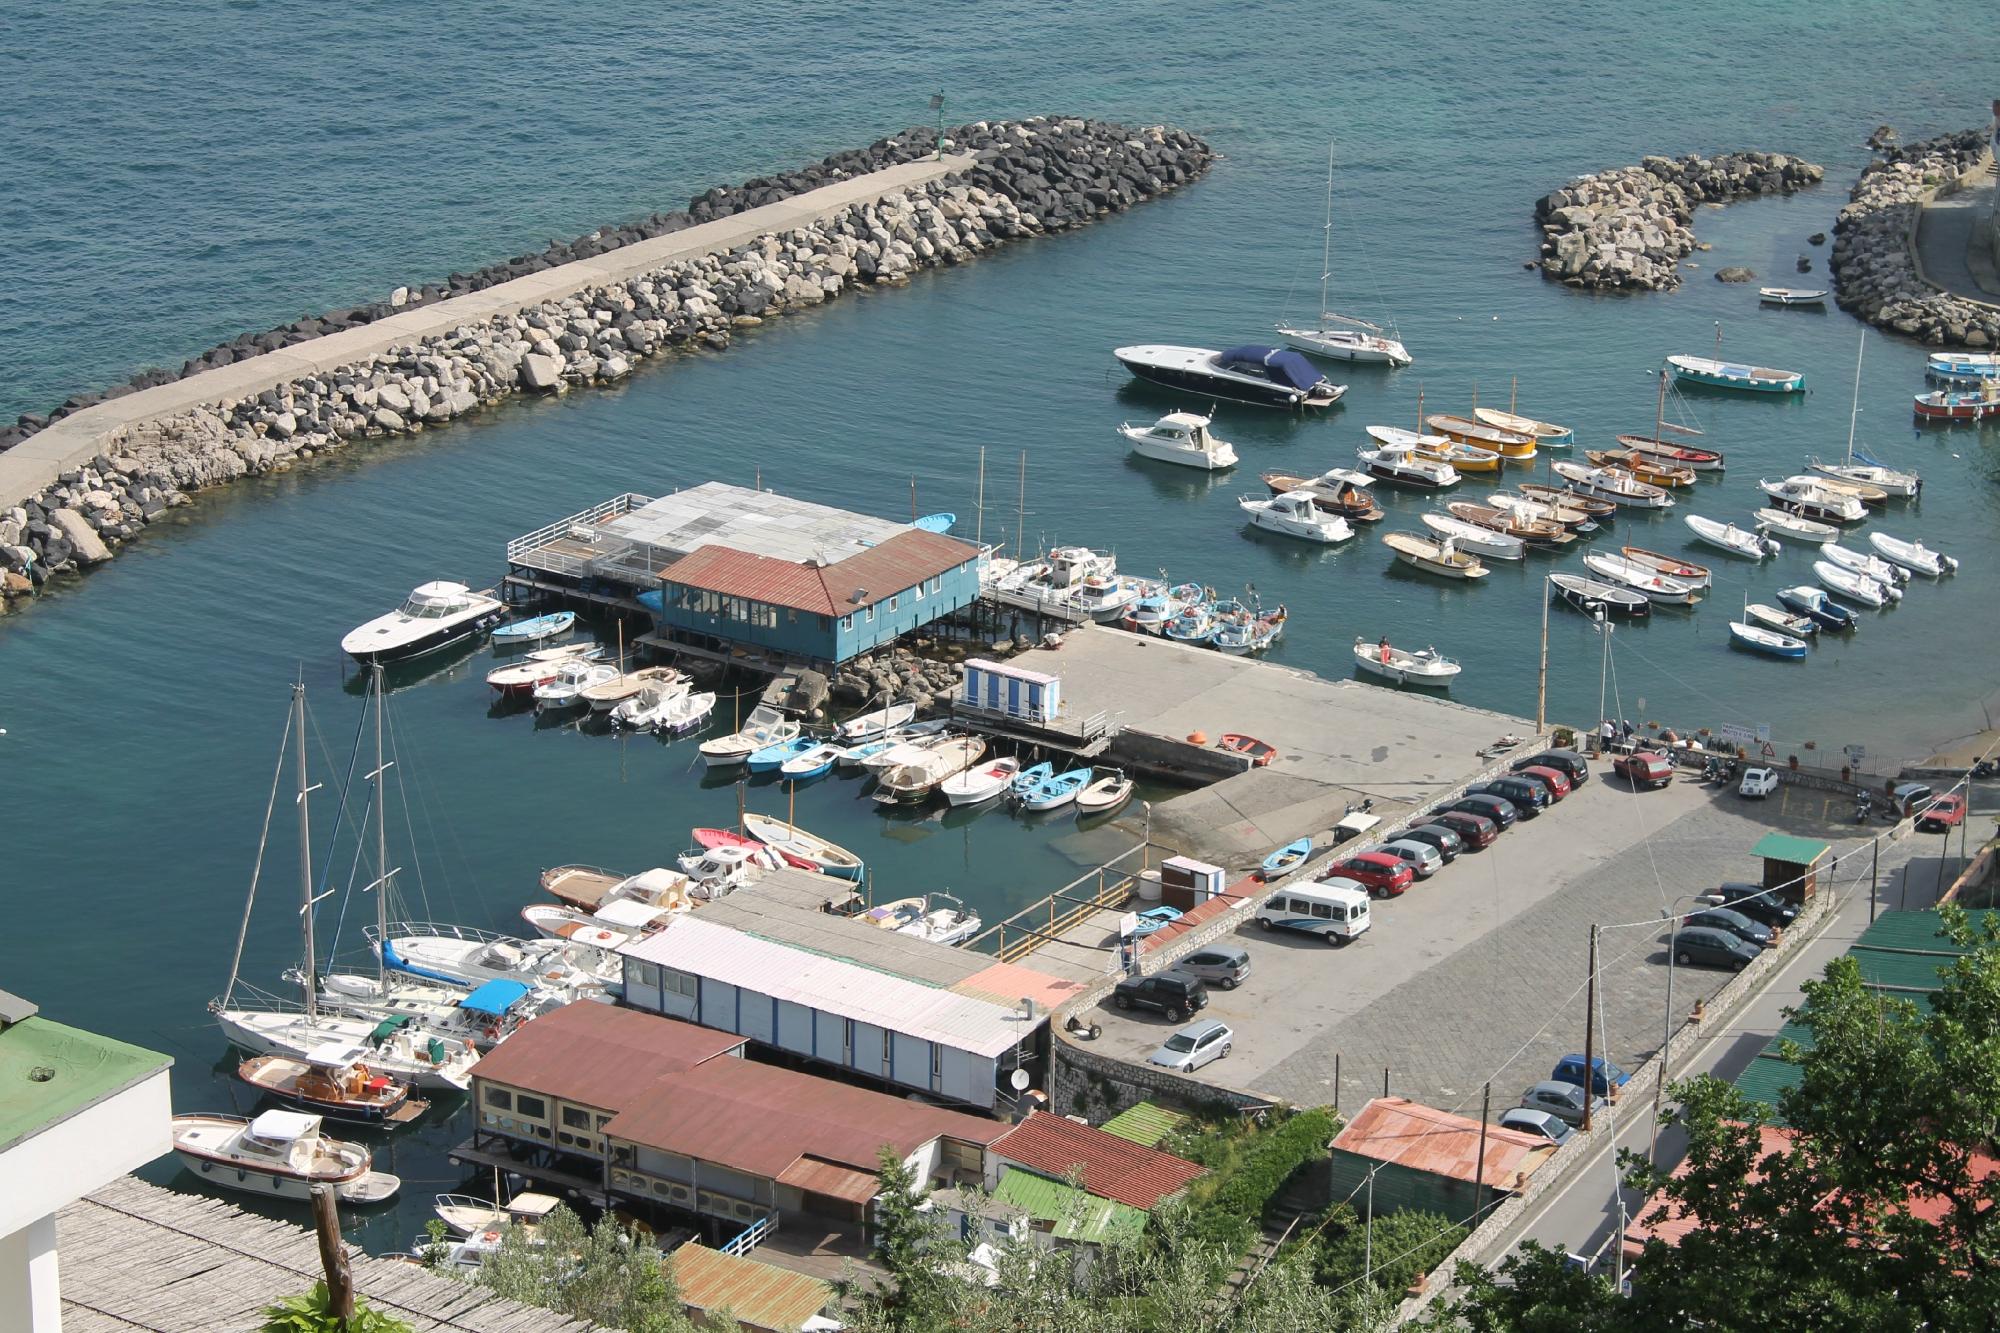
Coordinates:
[1648,468]
[1540,531]
[1546,434]
[1506,443]
[1667,451]
[1684,571]
[1331,495]
[1442,558]
[1464,457]
[1566,516]
[1564,495]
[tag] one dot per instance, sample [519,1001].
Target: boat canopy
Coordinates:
[494,998]
[1280,364]
[389,1027]
[284,1126]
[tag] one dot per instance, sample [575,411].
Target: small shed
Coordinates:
[755,1294]
[1424,1158]
[996,687]
[1791,865]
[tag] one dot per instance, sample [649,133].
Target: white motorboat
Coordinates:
[652,705]
[1614,484]
[801,848]
[764,727]
[1840,579]
[1435,557]
[1913,556]
[1884,575]
[465,1215]
[605,695]
[1348,476]
[435,616]
[1478,540]
[572,678]
[717,871]
[1771,617]
[942,919]
[869,726]
[1426,666]
[1342,337]
[619,924]
[1730,538]
[1260,375]
[1812,497]
[1770,642]
[913,782]
[278,1155]
[1295,514]
[481,1016]
[1791,525]
[1409,469]
[1183,438]
[981,782]
[1860,490]
[1641,578]
[684,712]
[907,749]
[1106,794]
[464,956]
[534,668]
[1792,295]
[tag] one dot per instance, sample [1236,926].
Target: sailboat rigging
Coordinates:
[1342,337]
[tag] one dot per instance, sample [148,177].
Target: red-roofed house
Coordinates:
[1421,1157]
[1105,1165]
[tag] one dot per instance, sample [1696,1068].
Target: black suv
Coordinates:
[1754,901]
[1527,795]
[1566,762]
[1175,994]
[1497,809]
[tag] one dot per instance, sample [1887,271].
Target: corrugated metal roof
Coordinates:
[1077,1215]
[758,1294]
[1107,1164]
[706,948]
[599,1054]
[1146,1123]
[1785,847]
[896,565]
[818,1176]
[762,522]
[1007,983]
[1423,1138]
[757,578]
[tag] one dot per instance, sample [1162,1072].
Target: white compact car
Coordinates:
[1758,782]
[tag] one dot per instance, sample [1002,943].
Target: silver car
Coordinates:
[1223,965]
[1193,1046]
[1564,1101]
[1423,859]
[1539,1123]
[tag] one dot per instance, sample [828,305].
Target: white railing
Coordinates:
[578,525]
[752,1235]
[436,930]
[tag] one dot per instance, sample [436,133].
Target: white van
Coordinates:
[1335,908]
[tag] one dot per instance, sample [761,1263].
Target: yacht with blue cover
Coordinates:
[1264,376]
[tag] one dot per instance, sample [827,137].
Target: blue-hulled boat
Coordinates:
[813,762]
[1030,778]
[1736,375]
[1814,604]
[1287,859]
[1770,642]
[1155,607]
[1195,624]
[774,756]
[1056,790]
[534,629]
[935,522]
[855,754]
[1963,366]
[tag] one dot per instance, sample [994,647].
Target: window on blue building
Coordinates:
[871,615]
[892,603]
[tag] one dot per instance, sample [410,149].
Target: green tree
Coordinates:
[1405,1246]
[310,1314]
[602,1274]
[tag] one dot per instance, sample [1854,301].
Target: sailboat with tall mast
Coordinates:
[1866,471]
[398,1047]
[1342,337]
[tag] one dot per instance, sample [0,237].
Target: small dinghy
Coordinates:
[535,629]
[1434,557]
[1729,537]
[1106,794]
[1736,375]
[796,845]
[1568,495]
[1426,666]
[1547,435]
[1890,576]
[981,782]
[775,755]
[815,762]
[1614,484]
[1685,571]
[1770,617]
[537,668]
[1594,598]
[1261,754]
[1672,453]
[605,695]
[1029,778]
[1840,579]
[1477,539]
[1792,295]
[684,712]
[1295,514]
[1963,365]
[1054,791]
[1286,859]
[764,727]
[868,726]
[1649,468]
[1814,604]
[644,710]
[1913,556]
[1641,578]
[1788,524]
[1770,642]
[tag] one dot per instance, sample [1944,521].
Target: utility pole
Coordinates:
[1542,678]
[937,105]
[1479,1171]
[1874,871]
[1590,1033]
[1368,1242]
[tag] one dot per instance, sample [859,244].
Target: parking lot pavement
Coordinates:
[1478,970]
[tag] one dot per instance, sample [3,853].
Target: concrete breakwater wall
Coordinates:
[74,487]
[1629,228]
[1874,264]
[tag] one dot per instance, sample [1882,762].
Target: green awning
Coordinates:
[1784,847]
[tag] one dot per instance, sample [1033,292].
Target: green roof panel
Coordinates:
[1076,1215]
[1784,847]
[49,1072]
[1145,1124]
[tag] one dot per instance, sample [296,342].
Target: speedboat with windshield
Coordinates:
[1256,374]
[434,616]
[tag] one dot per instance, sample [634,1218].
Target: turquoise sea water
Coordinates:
[182,174]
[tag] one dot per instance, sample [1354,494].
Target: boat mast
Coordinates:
[1660,412]
[1021,514]
[1542,676]
[1326,240]
[302,798]
[1855,411]
[382,872]
[979,505]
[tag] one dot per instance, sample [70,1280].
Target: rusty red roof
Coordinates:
[759,1295]
[1423,1138]
[761,1119]
[600,1055]
[898,564]
[1108,1166]
[1236,895]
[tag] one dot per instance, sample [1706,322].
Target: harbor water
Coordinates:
[173,202]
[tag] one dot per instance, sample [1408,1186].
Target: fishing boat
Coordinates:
[1434,557]
[1770,642]
[1684,571]
[1151,612]
[1259,375]
[572,677]
[1913,556]
[1259,753]
[1614,484]
[1111,789]
[1600,510]
[1183,438]
[1792,295]
[1641,578]
[1963,365]
[1648,468]
[1885,576]
[1195,624]
[279,1155]
[1816,606]
[814,762]
[1859,587]
[464,1215]
[1669,453]
[1514,447]
[1295,514]
[1285,860]
[1770,617]
[435,615]
[1729,537]
[1960,404]
[1543,514]
[1408,469]
[1333,494]
[1342,337]
[1546,434]
[1476,538]
[911,783]
[1788,524]
[763,728]
[1054,791]
[535,629]
[605,695]
[1248,631]
[980,783]
[870,726]
[791,841]
[1811,497]
[776,755]
[645,710]
[334,1082]
[1594,598]
[1425,666]
[1736,375]
[537,667]
[941,919]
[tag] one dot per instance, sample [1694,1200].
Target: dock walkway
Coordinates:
[74,440]
[1954,237]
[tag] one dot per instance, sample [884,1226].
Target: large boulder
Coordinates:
[86,546]
[541,372]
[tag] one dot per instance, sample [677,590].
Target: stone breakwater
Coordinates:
[1025,178]
[1629,229]
[1874,271]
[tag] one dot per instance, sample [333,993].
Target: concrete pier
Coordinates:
[72,441]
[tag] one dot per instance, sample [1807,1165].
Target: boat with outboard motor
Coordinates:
[537,667]
[1814,498]
[1815,605]
[1798,528]
[1641,578]
[764,727]
[1425,666]
[981,782]
[1770,617]
[1913,556]
[1861,562]
[1593,597]
[1434,557]
[1476,538]
[1109,791]
[1260,375]
[1868,579]
[1859,587]
[1730,538]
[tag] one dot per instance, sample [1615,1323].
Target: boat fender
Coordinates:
[492,1032]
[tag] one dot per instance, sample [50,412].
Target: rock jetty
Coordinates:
[1874,270]
[1028,178]
[1629,229]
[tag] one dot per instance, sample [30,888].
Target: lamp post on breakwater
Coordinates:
[937,106]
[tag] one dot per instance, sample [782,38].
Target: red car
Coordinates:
[1554,779]
[1644,768]
[1383,875]
[1477,830]
[1944,812]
